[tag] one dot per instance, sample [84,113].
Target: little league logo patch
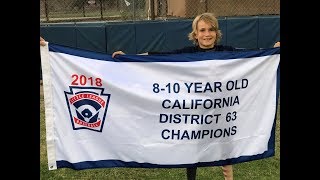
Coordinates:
[87,107]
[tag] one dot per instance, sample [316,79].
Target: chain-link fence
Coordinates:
[132,10]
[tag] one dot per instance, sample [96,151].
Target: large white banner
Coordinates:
[184,110]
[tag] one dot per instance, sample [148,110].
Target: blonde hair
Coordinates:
[208,18]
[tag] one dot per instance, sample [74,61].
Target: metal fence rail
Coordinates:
[131,10]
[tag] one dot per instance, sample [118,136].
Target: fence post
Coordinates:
[152,9]
[134,10]
[83,10]
[46,11]
[101,9]
[206,5]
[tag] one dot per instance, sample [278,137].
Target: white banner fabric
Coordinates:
[184,110]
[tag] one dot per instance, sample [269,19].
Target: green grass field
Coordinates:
[264,169]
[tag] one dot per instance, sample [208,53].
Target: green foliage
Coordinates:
[126,15]
[79,4]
